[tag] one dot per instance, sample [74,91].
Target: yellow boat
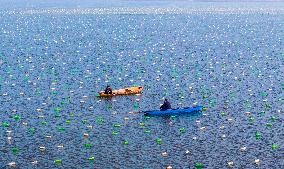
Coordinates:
[125,91]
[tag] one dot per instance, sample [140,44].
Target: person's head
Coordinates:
[166,100]
[108,86]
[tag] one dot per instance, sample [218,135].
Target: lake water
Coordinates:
[54,61]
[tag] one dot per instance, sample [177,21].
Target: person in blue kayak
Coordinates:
[108,90]
[166,105]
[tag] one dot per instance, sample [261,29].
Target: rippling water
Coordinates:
[53,63]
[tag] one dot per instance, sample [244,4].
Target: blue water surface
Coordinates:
[53,64]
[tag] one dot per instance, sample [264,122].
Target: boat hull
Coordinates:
[173,111]
[125,91]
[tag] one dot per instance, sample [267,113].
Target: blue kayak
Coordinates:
[173,111]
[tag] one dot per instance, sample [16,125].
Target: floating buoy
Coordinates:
[61,129]
[135,105]
[257,161]
[248,113]
[15,150]
[147,117]
[86,135]
[202,128]
[199,165]
[268,124]
[48,137]
[251,119]
[273,118]
[182,130]
[5,124]
[12,164]
[60,146]
[243,149]
[164,154]
[9,132]
[257,135]
[34,162]
[274,146]
[9,140]
[159,141]
[117,125]
[91,158]
[204,109]
[230,163]
[41,148]
[88,145]
[230,120]
[147,131]
[58,162]
[31,130]
[114,133]
[17,117]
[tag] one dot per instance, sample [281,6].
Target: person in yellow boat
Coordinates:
[166,105]
[108,90]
